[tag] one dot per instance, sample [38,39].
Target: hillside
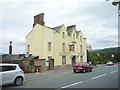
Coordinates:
[103,55]
[115,49]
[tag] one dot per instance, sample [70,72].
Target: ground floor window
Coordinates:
[63,60]
[31,63]
[81,58]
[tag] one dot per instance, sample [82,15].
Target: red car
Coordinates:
[82,67]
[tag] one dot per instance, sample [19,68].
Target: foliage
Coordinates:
[114,3]
[102,56]
[4,55]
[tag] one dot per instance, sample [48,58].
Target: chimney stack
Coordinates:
[10,48]
[71,27]
[39,19]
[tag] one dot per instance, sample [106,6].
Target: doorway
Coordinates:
[73,60]
[51,64]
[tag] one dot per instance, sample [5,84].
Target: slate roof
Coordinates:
[12,57]
[58,28]
[69,31]
[17,57]
[33,57]
[78,32]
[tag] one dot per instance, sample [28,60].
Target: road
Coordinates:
[101,77]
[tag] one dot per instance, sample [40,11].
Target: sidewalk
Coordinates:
[50,73]
[43,75]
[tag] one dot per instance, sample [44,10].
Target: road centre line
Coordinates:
[71,84]
[99,76]
[114,71]
[109,66]
[81,82]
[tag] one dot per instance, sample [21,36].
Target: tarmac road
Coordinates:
[101,77]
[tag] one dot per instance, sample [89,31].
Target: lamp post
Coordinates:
[112,55]
[98,54]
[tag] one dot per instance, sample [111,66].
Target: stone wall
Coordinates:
[60,67]
[39,65]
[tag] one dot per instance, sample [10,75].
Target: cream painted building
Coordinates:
[58,46]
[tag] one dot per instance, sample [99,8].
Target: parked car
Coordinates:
[11,73]
[82,67]
[109,63]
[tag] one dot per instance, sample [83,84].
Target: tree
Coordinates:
[116,3]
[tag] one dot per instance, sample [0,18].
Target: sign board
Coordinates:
[47,64]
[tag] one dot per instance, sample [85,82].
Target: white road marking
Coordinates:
[114,71]
[81,81]
[84,81]
[72,84]
[98,76]
[109,66]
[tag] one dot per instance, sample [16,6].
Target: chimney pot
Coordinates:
[10,48]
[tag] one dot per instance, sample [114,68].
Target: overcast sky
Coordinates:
[97,19]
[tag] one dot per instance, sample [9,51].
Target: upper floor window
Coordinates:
[28,48]
[49,46]
[63,34]
[81,48]
[81,38]
[73,36]
[63,46]
[71,48]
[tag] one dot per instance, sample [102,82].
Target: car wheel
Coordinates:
[90,70]
[84,70]
[18,81]
[74,71]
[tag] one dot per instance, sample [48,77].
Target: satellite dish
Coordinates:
[27,55]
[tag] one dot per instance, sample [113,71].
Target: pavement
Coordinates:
[46,74]
[51,73]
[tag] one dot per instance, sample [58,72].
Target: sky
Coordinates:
[97,19]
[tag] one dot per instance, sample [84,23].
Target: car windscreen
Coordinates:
[78,64]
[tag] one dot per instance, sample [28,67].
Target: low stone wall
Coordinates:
[61,67]
[39,65]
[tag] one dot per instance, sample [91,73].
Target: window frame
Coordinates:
[72,47]
[63,60]
[63,46]
[7,68]
[49,46]
[63,34]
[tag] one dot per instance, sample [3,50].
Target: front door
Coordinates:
[51,64]
[73,60]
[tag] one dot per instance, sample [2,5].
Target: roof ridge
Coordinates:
[57,26]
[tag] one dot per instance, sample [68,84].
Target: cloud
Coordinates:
[97,20]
